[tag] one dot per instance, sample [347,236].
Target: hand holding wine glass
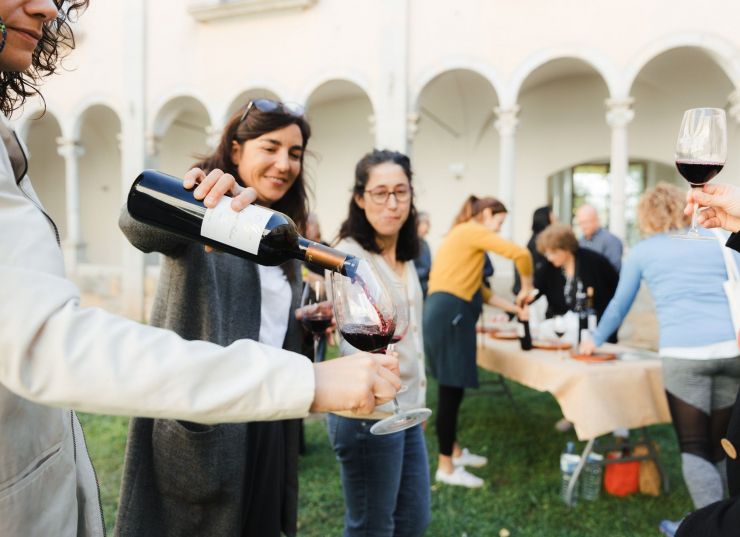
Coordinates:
[722,206]
[701,151]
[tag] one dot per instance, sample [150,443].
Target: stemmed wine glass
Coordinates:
[558,328]
[701,151]
[401,419]
[316,313]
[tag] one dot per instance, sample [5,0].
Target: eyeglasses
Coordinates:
[268,106]
[381,195]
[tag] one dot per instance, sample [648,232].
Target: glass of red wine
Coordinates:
[401,419]
[701,151]
[316,313]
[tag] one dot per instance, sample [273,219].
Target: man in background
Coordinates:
[597,238]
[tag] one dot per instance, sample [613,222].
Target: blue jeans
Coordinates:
[385,479]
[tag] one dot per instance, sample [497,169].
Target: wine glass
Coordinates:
[558,327]
[401,419]
[364,308]
[701,151]
[316,313]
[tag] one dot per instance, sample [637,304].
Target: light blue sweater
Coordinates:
[685,280]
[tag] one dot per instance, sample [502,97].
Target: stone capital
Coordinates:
[619,112]
[507,121]
[69,147]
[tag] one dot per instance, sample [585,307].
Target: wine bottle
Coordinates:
[256,233]
[591,322]
[580,310]
[525,336]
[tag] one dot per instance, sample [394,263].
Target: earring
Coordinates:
[4,32]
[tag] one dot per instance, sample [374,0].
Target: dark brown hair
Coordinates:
[357,226]
[295,201]
[474,205]
[557,237]
[56,40]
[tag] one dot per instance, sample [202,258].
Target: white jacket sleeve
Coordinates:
[54,352]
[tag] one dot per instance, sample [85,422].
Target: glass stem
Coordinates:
[316,340]
[396,407]
[693,230]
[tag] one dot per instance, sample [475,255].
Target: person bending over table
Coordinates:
[701,366]
[722,518]
[451,312]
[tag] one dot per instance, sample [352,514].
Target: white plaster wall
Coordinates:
[340,137]
[100,188]
[455,129]
[46,170]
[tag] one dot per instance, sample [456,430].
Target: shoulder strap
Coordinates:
[15,151]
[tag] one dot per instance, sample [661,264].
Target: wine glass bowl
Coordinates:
[364,309]
[701,151]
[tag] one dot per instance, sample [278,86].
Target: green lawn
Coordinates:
[522,477]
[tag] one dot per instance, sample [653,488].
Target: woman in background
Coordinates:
[455,300]
[385,479]
[698,348]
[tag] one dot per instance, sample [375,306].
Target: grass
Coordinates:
[522,477]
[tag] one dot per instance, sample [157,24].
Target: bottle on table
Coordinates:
[580,309]
[591,320]
[256,233]
[525,336]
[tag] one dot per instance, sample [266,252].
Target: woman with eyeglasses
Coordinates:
[385,479]
[183,478]
[454,303]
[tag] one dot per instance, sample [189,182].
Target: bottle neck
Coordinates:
[325,257]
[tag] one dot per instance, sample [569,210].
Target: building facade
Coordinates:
[533,102]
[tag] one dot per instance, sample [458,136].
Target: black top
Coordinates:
[538,261]
[721,519]
[592,270]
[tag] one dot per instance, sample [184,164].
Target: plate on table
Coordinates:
[595,357]
[503,334]
[551,345]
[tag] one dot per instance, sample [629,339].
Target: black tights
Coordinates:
[448,405]
[699,433]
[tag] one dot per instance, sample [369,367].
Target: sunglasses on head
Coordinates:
[268,106]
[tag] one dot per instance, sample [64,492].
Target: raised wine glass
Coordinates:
[401,419]
[316,313]
[701,151]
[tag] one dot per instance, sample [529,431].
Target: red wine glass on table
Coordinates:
[701,151]
[558,327]
[316,313]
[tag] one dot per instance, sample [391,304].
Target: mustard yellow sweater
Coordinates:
[458,265]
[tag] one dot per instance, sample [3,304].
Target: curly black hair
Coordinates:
[57,39]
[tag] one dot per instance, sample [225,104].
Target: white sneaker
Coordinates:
[469,459]
[459,477]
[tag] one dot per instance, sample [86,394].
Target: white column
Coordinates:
[392,82]
[506,124]
[71,150]
[618,116]
[213,136]
[734,109]
[134,144]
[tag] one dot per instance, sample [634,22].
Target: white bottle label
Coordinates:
[242,230]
